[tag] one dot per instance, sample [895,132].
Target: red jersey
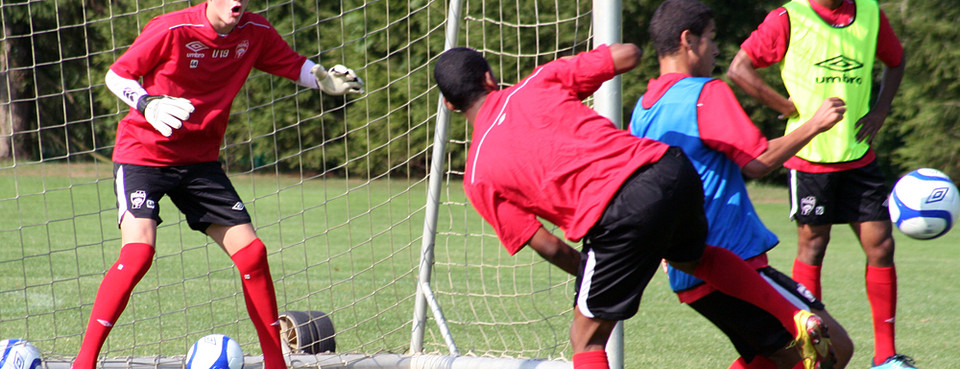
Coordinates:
[722,123]
[179,54]
[768,44]
[538,151]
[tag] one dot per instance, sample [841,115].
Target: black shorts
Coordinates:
[656,214]
[754,331]
[856,195]
[202,192]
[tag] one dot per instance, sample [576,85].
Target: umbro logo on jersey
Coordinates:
[238,206]
[196,46]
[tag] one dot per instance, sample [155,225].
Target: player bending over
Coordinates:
[538,151]
[192,63]
[686,108]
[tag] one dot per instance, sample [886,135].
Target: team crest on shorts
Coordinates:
[808,205]
[137,198]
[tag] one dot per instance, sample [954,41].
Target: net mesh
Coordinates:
[336,186]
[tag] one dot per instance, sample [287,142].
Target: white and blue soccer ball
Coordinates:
[924,204]
[215,351]
[19,354]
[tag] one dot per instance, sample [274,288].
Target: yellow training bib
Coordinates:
[824,61]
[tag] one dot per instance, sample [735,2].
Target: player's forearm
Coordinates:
[778,151]
[744,75]
[307,79]
[889,84]
[127,90]
[555,251]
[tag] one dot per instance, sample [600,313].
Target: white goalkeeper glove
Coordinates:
[165,113]
[338,80]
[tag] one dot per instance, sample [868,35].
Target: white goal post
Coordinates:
[607,22]
[358,199]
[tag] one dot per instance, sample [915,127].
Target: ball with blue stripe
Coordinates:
[215,351]
[18,354]
[924,204]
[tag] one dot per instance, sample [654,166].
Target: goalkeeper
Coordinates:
[538,152]
[193,63]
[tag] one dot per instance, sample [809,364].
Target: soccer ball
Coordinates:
[924,204]
[18,354]
[215,351]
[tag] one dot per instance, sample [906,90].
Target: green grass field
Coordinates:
[667,334]
[351,248]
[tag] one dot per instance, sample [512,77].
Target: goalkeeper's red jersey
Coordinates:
[180,54]
[538,151]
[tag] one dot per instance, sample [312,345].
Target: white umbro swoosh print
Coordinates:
[500,118]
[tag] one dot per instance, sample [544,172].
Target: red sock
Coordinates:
[809,276]
[729,274]
[882,293]
[758,362]
[590,360]
[261,300]
[112,297]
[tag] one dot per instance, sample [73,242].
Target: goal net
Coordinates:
[339,188]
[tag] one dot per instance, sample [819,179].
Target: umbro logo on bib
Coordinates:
[840,63]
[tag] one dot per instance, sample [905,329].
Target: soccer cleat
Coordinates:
[897,361]
[812,341]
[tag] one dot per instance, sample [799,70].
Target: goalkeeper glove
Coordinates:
[165,113]
[338,80]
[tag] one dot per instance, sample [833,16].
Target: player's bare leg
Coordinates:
[842,344]
[877,240]
[588,337]
[232,238]
[250,256]
[139,230]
